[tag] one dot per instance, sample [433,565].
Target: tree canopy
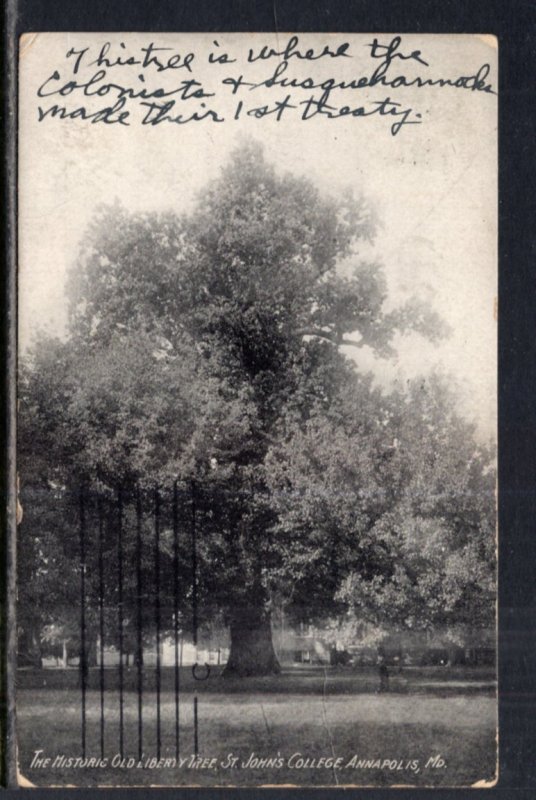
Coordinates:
[211,347]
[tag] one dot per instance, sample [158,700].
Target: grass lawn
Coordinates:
[314,713]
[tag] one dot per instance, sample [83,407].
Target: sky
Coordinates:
[434,184]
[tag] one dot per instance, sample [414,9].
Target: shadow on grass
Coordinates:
[382,740]
[306,680]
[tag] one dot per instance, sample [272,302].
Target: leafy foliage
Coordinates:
[206,348]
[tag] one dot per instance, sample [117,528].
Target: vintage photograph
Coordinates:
[257,379]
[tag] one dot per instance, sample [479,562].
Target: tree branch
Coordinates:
[330,336]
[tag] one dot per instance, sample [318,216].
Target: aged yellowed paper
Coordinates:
[257,409]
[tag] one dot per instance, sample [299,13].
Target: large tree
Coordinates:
[419,488]
[439,529]
[213,347]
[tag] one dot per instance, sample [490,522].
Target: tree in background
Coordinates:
[438,532]
[210,347]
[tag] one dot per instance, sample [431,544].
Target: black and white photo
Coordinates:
[257,303]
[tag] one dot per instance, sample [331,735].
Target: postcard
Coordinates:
[257,381]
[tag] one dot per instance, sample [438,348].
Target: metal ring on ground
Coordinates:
[194,670]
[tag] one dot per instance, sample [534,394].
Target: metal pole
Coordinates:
[139,620]
[196,727]
[194,567]
[157,615]
[120,616]
[194,610]
[176,610]
[101,623]
[82,658]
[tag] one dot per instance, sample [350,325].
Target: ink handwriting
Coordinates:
[154,84]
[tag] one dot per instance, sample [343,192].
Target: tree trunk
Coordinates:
[91,650]
[30,646]
[252,652]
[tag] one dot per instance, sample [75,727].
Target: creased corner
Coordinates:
[489,39]
[26,41]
